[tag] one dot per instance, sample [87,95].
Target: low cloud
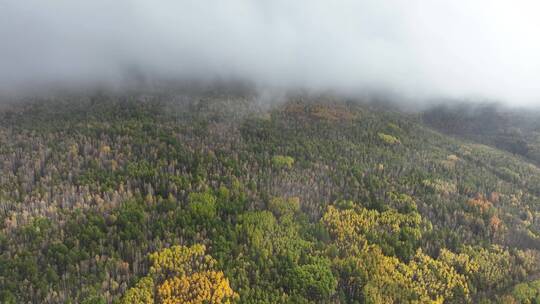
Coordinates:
[414,48]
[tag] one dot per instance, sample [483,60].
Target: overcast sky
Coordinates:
[418,48]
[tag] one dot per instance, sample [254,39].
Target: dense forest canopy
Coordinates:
[216,198]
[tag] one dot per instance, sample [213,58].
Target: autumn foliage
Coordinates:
[182,275]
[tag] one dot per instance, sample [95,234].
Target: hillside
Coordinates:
[514,130]
[217,197]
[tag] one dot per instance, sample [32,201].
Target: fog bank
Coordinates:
[418,49]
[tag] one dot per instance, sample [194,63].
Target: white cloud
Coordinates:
[414,47]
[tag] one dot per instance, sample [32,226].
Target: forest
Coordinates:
[220,197]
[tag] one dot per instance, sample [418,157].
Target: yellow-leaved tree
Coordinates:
[368,274]
[141,293]
[181,274]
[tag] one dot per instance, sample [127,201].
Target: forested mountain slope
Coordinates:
[209,198]
[511,129]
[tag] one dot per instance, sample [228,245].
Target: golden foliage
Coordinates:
[435,281]
[373,277]
[200,287]
[105,149]
[74,150]
[350,226]
[141,293]
[181,274]
[181,260]
[382,279]
[461,262]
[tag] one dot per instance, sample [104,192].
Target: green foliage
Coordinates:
[308,202]
[388,139]
[284,207]
[7,297]
[202,205]
[280,161]
[527,293]
[141,293]
[315,281]
[96,300]
[129,221]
